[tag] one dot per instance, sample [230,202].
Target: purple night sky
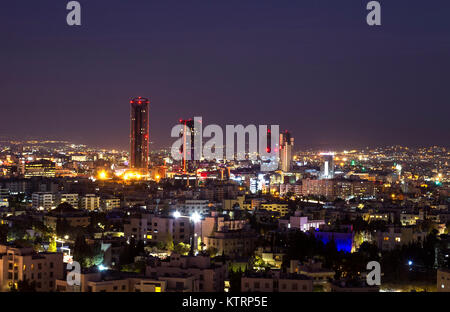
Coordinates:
[313,67]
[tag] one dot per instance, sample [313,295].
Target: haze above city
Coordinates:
[315,69]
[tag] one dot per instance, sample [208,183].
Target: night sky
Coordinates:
[313,67]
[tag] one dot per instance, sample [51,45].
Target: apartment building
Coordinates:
[398,236]
[43,201]
[90,202]
[190,206]
[299,222]
[197,273]
[110,203]
[74,217]
[275,281]
[71,199]
[91,280]
[234,244]
[281,208]
[156,228]
[20,264]
[220,222]
[314,270]
[443,280]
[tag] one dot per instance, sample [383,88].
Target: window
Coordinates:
[294,286]
[256,284]
[51,265]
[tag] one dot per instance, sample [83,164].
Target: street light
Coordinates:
[195,217]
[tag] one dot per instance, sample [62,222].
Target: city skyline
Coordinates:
[304,72]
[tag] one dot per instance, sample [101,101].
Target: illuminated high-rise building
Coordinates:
[286,145]
[270,162]
[188,148]
[139,133]
[327,168]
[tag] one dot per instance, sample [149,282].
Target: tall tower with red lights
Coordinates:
[139,133]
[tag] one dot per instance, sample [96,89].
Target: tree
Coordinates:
[212,251]
[87,255]
[63,227]
[182,249]
[3,233]
[52,245]
[169,242]
[235,280]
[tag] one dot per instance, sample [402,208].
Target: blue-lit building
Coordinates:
[344,241]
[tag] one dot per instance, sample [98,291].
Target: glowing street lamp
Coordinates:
[177,214]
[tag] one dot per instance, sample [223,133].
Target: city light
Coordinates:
[195,217]
[131,175]
[177,214]
[102,175]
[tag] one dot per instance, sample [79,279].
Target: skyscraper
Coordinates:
[327,168]
[286,145]
[188,147]
[139,133]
